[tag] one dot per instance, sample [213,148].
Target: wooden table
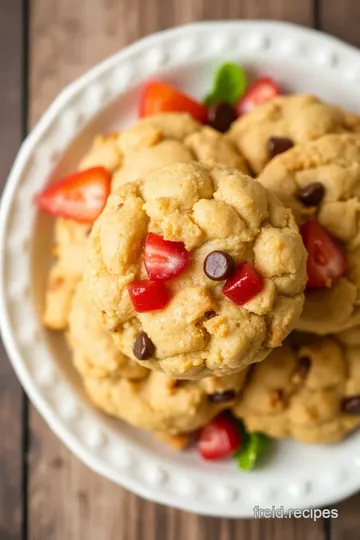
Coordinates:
[45,492]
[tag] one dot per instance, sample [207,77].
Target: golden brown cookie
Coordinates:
[96,355]
[150,143]
[70,238]
[298,117]
[144,398]
[311,394]
[207,208]
[166,138]
[161,404]
[333,163]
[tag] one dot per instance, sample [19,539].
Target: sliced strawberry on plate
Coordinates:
[326,261]
[81,196]
[220,438]
[148,295]
[262,90]
[159,97]
[164,259]
[243,284]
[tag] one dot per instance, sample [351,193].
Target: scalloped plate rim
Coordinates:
[35,394]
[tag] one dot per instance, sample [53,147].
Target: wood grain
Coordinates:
[341,20]
[347,525]
[66,500]
[11,396]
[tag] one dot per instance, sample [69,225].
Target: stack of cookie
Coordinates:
[177,301]
[308,154]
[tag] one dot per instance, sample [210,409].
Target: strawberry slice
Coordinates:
[243,285]
[326,261]
[262,90]
[81,196]
[164,259]
[148,295]
[219,439]
[159,97]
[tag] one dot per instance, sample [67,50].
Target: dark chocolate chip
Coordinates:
[278,145]
[218,265]
[222,397]
[221,116]
[209,314]
[303,367]
[351,405]
[312,194]
[143,347]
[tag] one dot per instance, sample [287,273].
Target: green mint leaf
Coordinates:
[254,445]
[229,85]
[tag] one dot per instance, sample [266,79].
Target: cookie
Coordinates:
[331,164]
[166,138]
[144,398]
[311,394]
[200,332]
[96,356]
[150,143]
[70,238]
[160,404]
[295,119]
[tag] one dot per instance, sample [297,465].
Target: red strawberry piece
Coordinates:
[81,196]
[220,438]
[159,97]
[262,90]
[243,285]
[148,295]
[164,259]
[326,261]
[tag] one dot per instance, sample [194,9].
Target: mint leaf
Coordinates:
[254,445]
[229,85]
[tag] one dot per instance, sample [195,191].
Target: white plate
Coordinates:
[103,99]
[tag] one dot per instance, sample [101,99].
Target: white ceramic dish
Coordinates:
[103,99]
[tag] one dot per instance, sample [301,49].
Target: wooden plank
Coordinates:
[340,19]
[65,499]
[347,525]
[11,395]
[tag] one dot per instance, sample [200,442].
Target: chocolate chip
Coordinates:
[312,194]
[218,265]
[221,116]
[143,347]
[303,366]
[222,397]
[351,405]
[209,314]
[278,145]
